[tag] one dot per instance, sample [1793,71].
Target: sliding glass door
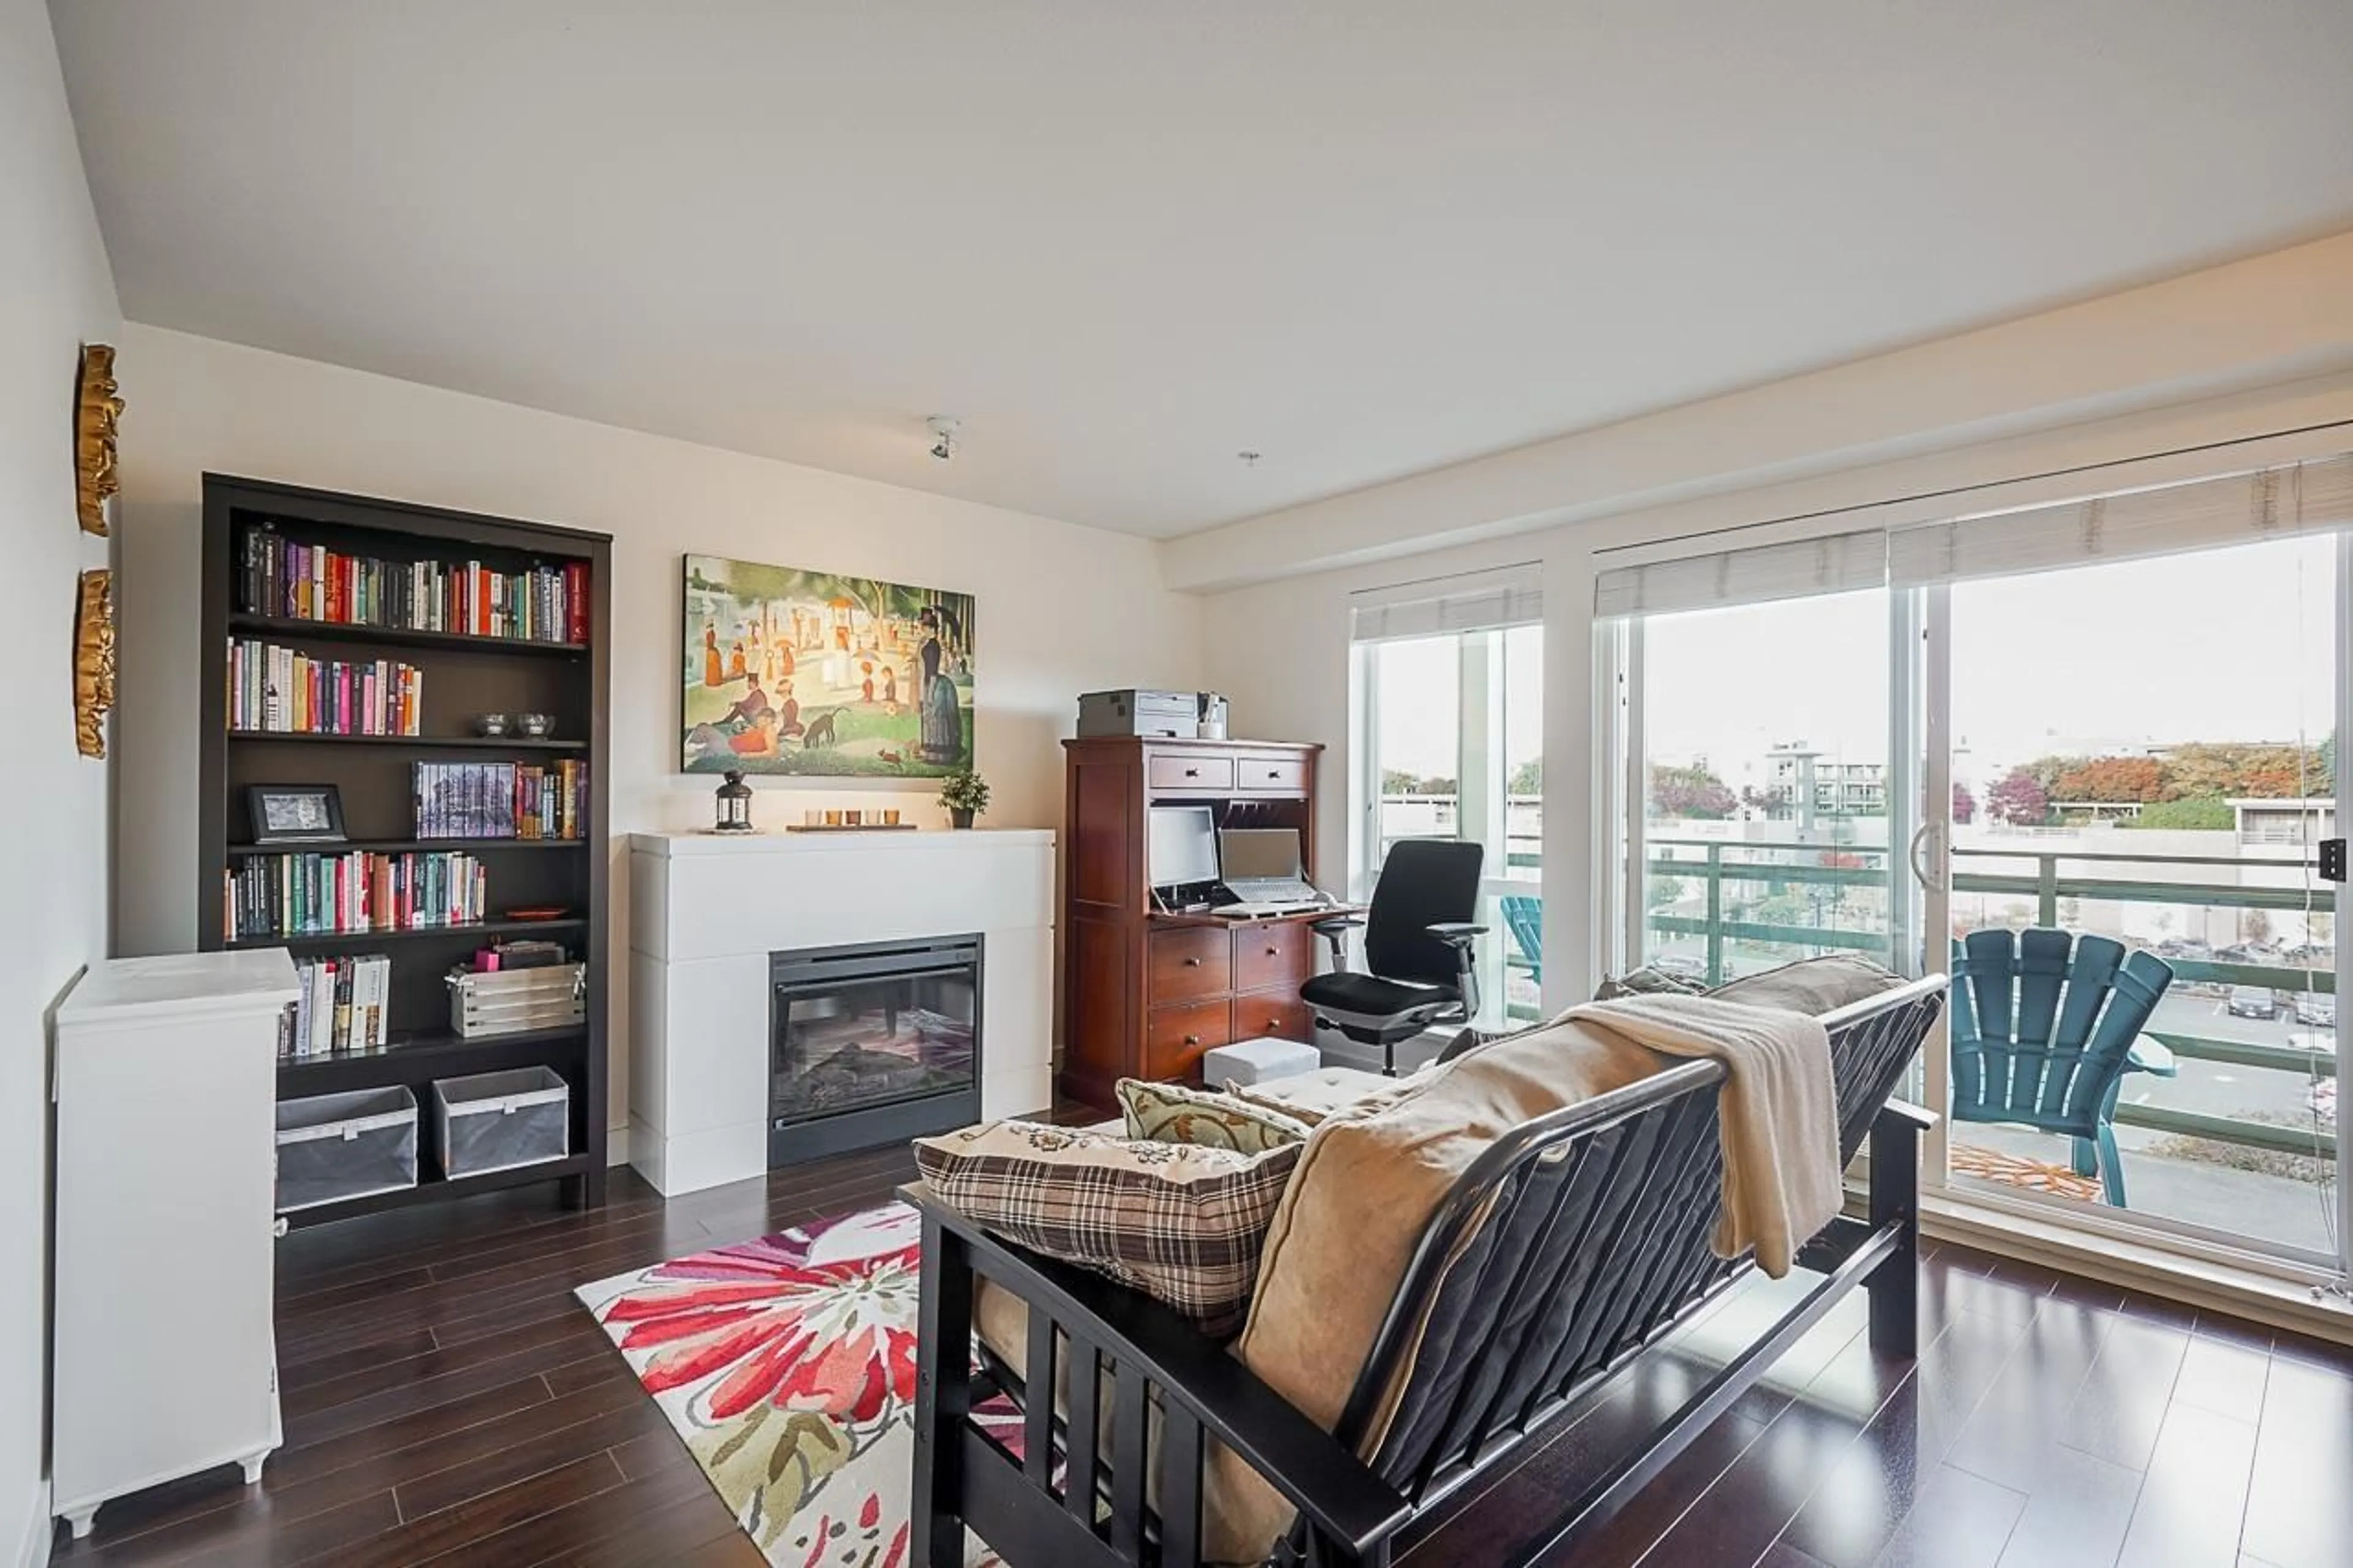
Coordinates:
[2113,718]
[2143,750]
[1765,830]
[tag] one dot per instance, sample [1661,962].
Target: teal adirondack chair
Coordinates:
[1525,916]
[2044,1026]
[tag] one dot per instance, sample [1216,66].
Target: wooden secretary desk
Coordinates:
[1146,993]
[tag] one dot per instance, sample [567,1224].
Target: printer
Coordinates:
[1167,715]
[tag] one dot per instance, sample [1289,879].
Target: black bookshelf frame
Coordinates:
[573,680]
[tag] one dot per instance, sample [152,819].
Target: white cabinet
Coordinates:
[166,1082]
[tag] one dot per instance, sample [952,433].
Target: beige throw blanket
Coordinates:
[1778,1109]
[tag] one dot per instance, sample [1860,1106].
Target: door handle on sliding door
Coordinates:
[1925,875]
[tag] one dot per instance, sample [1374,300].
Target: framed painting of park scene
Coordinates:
[813,674]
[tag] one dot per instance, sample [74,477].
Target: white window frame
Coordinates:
[1478,798]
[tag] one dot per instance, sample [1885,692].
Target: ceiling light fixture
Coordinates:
[943,428]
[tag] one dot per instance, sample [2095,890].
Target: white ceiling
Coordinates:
[1125,241]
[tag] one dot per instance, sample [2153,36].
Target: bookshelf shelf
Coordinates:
[403,847]
[291,627]
[458,676]
[429,1053]
[472,928]
[406,743]
[432,1188]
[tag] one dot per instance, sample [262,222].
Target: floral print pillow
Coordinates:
[1173,1113]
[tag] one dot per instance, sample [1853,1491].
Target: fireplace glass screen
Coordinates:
[861,1028]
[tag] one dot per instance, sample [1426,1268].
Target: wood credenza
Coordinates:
[1146,993]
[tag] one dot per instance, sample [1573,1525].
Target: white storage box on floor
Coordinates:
[337,1146]
[498,1120]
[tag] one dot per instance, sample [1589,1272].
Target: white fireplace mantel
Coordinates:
[706,910]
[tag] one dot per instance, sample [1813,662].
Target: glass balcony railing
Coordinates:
[2231,1124]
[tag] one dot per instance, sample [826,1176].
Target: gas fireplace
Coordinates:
[871,1044]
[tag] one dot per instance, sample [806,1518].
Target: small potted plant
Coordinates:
[965,794]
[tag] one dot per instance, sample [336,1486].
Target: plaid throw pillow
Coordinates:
[1179,1223]
[1173,1113]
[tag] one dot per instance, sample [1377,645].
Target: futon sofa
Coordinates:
[1455,1272]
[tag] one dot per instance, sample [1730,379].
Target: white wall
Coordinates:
[1060,609]
[55,294]
[1279,648]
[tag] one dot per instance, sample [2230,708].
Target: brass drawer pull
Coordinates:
[1192,963]
[1192,1039]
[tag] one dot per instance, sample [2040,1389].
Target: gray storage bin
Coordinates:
[497,1120]
[336,1146]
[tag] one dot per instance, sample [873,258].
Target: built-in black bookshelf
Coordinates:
[485,616]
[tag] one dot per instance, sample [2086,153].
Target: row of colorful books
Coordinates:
[325,895]
[281,691]
[500,800]
[343,1006]
[312,582]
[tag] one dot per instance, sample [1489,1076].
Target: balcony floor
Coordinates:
[2270,1211]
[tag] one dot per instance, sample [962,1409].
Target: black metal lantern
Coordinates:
[734,805]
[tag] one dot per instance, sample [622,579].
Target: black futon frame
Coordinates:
[1569,1247]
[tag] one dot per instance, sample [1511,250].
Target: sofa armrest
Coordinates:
[1338,1494]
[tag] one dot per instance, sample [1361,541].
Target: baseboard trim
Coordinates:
[2297,1304]
[40,1531]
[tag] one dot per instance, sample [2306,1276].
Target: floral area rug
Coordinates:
[788,1367]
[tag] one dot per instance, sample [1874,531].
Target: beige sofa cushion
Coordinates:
[1811,985]
[1369,1180]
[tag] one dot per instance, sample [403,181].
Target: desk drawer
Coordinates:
[1277,1014]
[1268,956]
[1187,963]
[1191,770]
[1176,1038]
[1270,773]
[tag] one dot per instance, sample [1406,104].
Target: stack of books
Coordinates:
[343,1006]
[500,800]
[310,582]
[329,895]
[278,690]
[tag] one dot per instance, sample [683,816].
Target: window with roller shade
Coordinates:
[1449,693]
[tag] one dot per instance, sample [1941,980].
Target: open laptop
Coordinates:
[1263,869]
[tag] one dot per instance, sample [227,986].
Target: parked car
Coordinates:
[2254,1002]
[2318,1008]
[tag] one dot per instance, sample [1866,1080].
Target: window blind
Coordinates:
[1834,565]
[1471,602]
[2299,498]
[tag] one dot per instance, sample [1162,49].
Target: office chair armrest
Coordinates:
[1462,933]
[1334,931]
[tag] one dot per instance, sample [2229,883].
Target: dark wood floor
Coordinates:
[446,1401]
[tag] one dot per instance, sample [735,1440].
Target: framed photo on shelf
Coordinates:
[295,813]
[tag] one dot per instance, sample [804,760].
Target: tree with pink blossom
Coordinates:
[2019,800]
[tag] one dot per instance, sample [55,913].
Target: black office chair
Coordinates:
[1418,942]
